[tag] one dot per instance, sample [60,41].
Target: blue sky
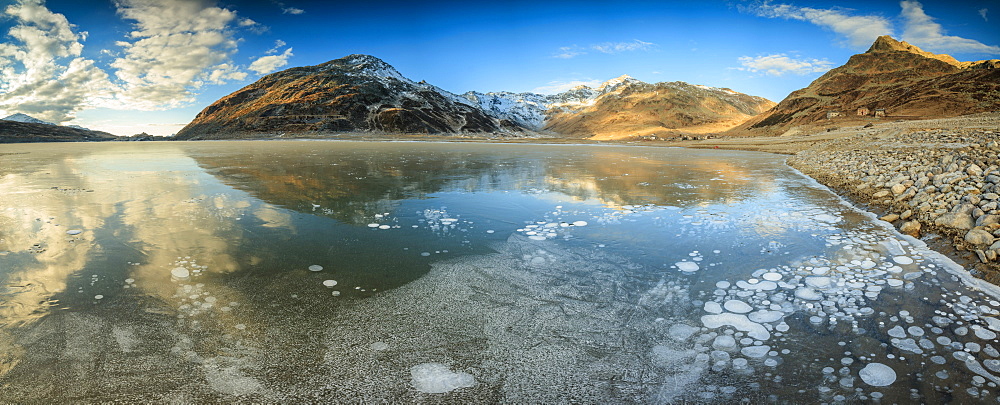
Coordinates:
[129,66]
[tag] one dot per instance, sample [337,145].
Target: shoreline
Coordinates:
[937,180]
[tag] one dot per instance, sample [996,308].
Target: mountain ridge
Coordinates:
[893,76]
[362,93]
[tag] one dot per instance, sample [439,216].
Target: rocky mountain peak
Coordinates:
[363,65]
[623,80]
[886,43]
[19,117]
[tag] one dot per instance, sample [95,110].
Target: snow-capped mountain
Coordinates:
[26,118]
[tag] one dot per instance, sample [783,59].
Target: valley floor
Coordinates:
[938,180]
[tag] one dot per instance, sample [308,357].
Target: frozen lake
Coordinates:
[310,271]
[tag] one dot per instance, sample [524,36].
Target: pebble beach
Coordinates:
[936,180]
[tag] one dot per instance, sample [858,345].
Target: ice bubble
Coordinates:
[437,378]
[384,227]
[915,331]
[818,282]
[315,267]
[897,332]
[738,321]
[902,260]
[877,375]
[723,284]
[771,276]
[894,282]
[74,232]
[681,331]
[180,273]
[993,323]
[755,352]
[98,296]
[373,225]
[808,294]
[580,223]
[867,264]
[687,266]
[737,306]
[336,293]
[329,283]
[536,237]
[713,307]
[425,254]
[380,346]
[983,333]
[760,286]
[724,342]
[765,316]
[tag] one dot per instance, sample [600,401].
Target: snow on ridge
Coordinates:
[25,118]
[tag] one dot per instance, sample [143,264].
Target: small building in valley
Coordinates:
[879,112]
[831,114]
[863,111]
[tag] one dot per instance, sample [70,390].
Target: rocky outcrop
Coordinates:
[354,93]
[898,77]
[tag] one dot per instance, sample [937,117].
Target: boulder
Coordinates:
[898,189]
[955,220]
[911,228]
[988,219]
[979,237]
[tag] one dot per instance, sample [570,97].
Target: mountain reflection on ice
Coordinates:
[388,272]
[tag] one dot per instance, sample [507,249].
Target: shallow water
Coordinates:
[383,272]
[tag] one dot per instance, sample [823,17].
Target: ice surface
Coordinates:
[437,378]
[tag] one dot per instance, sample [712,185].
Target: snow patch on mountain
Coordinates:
[26,118]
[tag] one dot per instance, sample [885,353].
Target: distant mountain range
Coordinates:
[898,78]
[19,127]
[363,93]
[25,118]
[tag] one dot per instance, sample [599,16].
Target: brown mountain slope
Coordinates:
[636,108]
[891,75]
[353,93]
[21,132]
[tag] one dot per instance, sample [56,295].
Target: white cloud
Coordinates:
[780,64]
[292,10]
[616,47]
[921,30]
[277,44]
[983,12]
[557,86]
[859,31]
[246,22]
[567,52]
[270,63]
[176,47]
[41,71]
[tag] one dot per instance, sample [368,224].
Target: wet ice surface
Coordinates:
[306,271]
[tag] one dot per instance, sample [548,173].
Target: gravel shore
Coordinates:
[938,180]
